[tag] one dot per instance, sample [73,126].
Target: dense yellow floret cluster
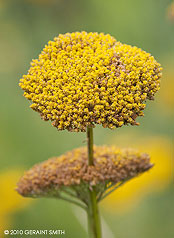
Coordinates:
[111,165]
[82,79]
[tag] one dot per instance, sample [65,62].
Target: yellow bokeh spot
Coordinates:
[166,95]
[155,180]
[10,200]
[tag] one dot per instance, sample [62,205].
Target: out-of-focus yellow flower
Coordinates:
[170,12]
[157,179]
[166,95]
[9,199]
[2,4]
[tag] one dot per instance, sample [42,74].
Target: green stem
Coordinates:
[90,145]
[94,225]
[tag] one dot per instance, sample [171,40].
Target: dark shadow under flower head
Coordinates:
[111,166]
[82,79]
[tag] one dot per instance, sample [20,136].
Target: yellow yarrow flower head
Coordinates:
[81,79]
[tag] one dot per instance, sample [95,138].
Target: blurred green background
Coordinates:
[144,208]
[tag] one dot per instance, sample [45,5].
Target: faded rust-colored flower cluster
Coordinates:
[111,166]
[81,79]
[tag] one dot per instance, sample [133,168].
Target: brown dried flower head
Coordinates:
[112,166]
